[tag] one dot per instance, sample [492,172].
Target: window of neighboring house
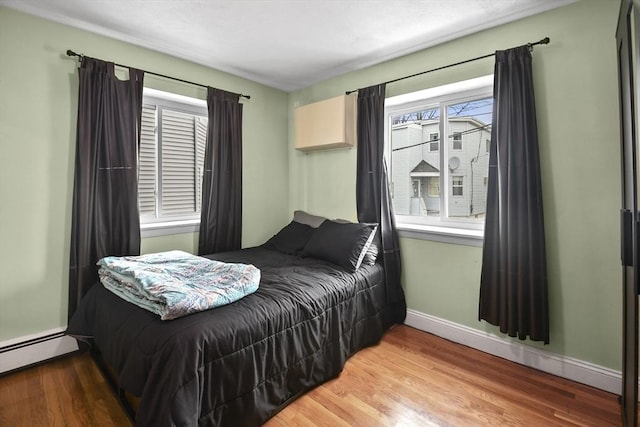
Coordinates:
[457,140]
[434,142]
[458,115]
[457,185]
[171,160]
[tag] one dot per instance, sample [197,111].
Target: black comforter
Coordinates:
[240,364]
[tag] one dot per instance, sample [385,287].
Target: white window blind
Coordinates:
[171,163]
[178,159]
[147,162]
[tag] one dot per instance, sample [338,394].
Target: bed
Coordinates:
[241,363]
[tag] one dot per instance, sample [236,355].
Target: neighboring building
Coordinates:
[416,170]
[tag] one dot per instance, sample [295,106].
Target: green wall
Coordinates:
[38,105]
[576,89]
[577,110]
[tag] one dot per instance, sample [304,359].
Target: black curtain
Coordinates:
[105,218]
[373,198]
[513,290]
[221,215]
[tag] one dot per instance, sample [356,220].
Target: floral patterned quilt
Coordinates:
[173,284]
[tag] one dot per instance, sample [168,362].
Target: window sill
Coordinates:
[456,236]
[156,229]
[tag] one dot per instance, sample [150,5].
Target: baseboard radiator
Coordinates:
[29,350]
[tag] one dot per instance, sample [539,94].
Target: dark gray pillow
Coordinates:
[306,218]
[371,255]
[344,244]
[291,239]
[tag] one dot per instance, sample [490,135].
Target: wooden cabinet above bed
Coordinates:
[326,124]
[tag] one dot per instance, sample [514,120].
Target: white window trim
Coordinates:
[449,232]
[175,98]
[166,228]
[457,236]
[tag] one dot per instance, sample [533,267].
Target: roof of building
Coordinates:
[424,166]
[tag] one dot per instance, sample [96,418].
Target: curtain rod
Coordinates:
[545,40]
[79,55]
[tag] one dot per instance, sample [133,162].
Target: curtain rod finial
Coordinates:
[72,53]
[545,40]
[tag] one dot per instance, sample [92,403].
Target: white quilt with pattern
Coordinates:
[175,283]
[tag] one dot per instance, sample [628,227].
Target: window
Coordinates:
[434,142]
[171,158]
[460,116]
[457,140]
[457,185]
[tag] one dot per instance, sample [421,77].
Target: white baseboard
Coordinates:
[567,367]
[24,351]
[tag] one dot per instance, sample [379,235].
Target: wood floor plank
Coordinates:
[61,393]
[13,396]
[38,408]
[442,391]
[410,379]
[480,370]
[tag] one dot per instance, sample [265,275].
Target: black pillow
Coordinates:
[291,239]
[371,254]
[343,244]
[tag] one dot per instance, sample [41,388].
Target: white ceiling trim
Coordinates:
[360,64]
[268,75]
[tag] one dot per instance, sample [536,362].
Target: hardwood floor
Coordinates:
[410,379]
[66,392]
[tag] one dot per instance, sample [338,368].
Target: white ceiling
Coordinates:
[286,44]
